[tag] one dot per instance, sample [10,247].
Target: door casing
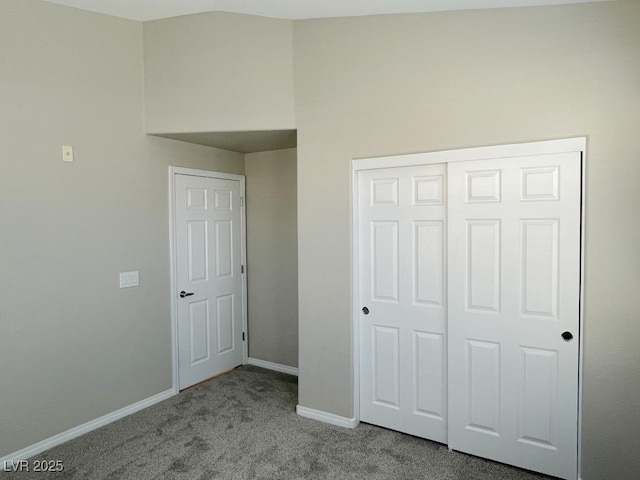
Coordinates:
[173,171]
[577,144]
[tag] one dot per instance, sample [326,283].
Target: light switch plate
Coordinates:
[129,279]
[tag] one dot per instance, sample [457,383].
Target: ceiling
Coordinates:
[243,142]
[144,10]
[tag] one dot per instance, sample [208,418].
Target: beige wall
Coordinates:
[398,84]
[73,346]
[272,256]
[214,72]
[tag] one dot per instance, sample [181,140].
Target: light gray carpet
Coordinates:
[243,425]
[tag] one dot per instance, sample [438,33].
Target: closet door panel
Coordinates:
[513,292]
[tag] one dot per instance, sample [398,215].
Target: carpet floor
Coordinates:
[243,425]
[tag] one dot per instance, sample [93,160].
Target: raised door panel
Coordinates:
[540,268]
[538,397]
[199,331]
[384,192]
[428,190]
[223,200]
[429,375]
[198,250]
[386,366]
[429,263]
[225,319]
[540,183]
[483,265]
[384,261]
[197,198]
[224,248]
[483,387]
[483,186]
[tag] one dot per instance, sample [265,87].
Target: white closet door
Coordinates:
[514,280]
[402,287]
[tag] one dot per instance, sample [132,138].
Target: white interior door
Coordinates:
[514,289]
[402,294]
[208,276]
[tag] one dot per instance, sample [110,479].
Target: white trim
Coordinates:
[583,213]
[578,144]
[243,253]
[75,432]
[278,367]
[206,173]
[355,295]
[478,153]
[326,417]
[173,171]
[173,305]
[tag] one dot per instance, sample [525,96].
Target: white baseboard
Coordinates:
[326,417]
[75,432]
[272,366]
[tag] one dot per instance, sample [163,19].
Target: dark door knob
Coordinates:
[365,310]
[185,294]
[567,336]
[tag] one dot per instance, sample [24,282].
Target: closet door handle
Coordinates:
[365,310]
[185,294]
[567,336]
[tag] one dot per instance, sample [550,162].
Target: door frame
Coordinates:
[577,144]
[173,171]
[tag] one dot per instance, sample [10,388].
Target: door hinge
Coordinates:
[241,268]
[241,201]
[243,336]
